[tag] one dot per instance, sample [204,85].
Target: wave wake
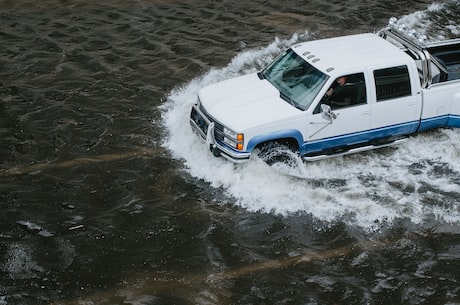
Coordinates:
[418,180]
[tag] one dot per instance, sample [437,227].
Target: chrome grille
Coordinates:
[218,127]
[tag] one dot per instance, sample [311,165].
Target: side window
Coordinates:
[392,83]
[347,90]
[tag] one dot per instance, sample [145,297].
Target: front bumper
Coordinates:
[205,127]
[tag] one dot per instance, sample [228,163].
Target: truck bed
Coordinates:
[449,57]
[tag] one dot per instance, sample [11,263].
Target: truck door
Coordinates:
[349,120]
[398,104]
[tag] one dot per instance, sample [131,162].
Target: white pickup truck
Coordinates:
[332,97]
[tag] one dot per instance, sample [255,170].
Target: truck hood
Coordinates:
[244,102]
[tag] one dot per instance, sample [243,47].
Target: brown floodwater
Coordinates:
[107,197]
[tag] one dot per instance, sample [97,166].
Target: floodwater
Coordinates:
[107,197]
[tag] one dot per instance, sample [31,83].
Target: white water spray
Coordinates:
[416,181]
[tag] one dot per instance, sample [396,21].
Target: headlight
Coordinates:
[233,139]
[230,133]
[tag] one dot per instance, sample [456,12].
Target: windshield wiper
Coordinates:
[261,75]
[290,100]
[285,97]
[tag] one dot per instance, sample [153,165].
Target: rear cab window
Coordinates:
[391,83]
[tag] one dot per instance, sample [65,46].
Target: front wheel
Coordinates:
[274,152]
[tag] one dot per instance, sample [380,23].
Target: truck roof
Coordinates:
[334,55]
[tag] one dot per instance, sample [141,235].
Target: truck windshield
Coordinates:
[297,81]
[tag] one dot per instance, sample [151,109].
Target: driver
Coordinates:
[339,82]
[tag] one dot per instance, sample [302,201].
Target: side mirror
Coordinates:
[327,113]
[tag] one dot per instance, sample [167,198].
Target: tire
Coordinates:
[274,152]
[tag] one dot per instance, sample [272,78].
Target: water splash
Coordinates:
[436,22]
[19,263]
[417,181]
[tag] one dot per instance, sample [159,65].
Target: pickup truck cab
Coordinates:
[334,96]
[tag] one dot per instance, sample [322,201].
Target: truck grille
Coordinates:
[218,127]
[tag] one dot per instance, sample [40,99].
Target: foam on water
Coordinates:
[432,22]
[418,180]
[19,263]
